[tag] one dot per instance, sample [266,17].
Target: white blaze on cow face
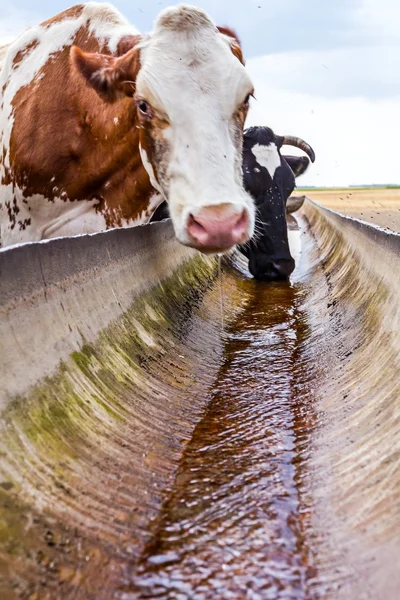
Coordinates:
[194,87]
[268,157]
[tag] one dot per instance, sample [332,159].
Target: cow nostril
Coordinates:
[218,227]
[241,223]
[197,230]
[266,269]
[283,268]
[194,226]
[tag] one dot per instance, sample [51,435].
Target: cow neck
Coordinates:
[93,145]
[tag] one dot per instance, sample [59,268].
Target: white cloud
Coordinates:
[355,138]
[365,71]
[378,19]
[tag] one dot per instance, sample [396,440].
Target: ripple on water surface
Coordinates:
[234,524]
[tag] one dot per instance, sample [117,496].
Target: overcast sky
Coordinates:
[326,71]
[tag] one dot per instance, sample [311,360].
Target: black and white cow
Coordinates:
[270,179]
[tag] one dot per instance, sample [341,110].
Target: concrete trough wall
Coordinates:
[110,345]
[351,270]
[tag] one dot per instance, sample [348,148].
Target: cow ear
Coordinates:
[236,46]
[112,78]
[298,164]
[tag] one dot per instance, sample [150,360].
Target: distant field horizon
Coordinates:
[389,186]
[379,205]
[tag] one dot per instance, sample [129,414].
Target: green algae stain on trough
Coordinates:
[94,445]
[59,413]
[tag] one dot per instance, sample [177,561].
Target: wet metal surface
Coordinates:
[179,453]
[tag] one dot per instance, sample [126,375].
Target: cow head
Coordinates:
[270,179]
[191,92]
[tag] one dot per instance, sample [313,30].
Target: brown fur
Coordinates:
[66,131]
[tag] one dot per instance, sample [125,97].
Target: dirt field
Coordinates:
[378,206]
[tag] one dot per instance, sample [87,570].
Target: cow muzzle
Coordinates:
[218,228]
[270,269]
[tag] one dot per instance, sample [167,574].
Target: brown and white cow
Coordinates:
[99,124]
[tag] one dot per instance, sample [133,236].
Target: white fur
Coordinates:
[60,217]
[154,202]
[195,81]
[3,53]
[268,157]
[108,24]
[149,168]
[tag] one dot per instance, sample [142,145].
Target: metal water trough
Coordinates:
[110,344]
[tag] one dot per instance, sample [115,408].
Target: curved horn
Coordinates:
[291,140]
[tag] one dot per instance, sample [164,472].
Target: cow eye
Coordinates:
[246,102]
[143,107]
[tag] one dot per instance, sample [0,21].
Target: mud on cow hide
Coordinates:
[269,177]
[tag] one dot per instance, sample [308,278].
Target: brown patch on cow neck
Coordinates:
[6,179]
[12,212]
[24,224]
[66,142]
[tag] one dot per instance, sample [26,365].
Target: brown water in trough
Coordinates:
[236,523]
